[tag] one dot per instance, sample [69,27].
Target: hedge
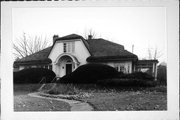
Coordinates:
[117,82]
[33,75]
[90,73]
[137,75]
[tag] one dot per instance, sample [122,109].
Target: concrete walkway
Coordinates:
[75,105]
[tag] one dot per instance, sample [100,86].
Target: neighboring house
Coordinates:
[69,52]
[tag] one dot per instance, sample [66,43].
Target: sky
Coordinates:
[143,27]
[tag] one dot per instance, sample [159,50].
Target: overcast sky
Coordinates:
[143,27]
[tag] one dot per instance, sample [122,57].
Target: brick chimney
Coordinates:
[54,38]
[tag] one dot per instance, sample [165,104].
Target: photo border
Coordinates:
[172,30]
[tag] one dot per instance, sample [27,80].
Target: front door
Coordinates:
[68,68]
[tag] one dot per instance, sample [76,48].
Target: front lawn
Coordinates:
[112,99]
[28,103]
[128,100]
[101,98]
[24,102]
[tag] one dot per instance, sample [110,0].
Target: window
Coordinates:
[122,69]
[64,46]
[68,47]
[46,67]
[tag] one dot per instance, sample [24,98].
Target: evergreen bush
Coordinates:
[90,73]
[33,75]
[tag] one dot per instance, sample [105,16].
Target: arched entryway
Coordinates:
[68,66]
[65,64]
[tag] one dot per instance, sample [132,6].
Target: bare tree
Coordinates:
[149,53]
[90,33]
[25,46]
[154,53]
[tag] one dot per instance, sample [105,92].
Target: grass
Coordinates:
[27,103]
[139,100]
[112,99]
[23,102]
[100,97]
[25,88]
[68,89]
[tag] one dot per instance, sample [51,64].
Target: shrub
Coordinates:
[138,75]
[158,88]
[120,82]
[137,79]
[90,73]
[66,89]
[33,75]
[121,74]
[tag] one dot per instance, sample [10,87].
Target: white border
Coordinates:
[172,64]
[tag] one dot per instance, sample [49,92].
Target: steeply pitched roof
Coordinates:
[68,37]
[100,50]
[101,47]
[104,50]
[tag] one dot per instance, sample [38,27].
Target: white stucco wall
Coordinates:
[122,63]
[80,52]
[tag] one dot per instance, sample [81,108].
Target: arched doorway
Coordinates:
[65,64]
[68,66]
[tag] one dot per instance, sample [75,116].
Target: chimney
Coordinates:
[90,37]
[54,38]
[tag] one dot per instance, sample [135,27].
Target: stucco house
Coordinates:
[69,52]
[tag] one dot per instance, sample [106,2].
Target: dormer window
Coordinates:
[68,47]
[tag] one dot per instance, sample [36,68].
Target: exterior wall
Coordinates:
[126,64]
[80,53]
[155,71]
[149,67]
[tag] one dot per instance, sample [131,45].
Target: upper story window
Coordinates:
[64,47]
[68,47]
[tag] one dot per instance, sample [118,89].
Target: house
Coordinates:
[69,52]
